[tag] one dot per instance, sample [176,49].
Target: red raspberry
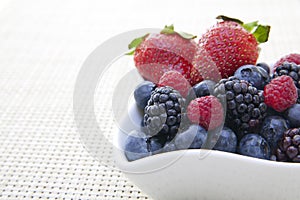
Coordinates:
[206,111]
[293,57]
[281,93]
[175,80]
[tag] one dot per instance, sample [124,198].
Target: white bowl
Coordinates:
[207,174]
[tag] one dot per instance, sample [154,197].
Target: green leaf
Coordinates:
[131,52]
[134,43]
[261,33]
[168,29]
[187,36]
[250,26]
[225,18]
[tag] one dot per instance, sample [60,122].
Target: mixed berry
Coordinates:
[214,95]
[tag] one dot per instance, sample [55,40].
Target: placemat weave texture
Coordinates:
[43,45]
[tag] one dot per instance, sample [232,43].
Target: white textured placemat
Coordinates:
[42,47]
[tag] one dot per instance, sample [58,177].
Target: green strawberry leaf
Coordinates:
[131,52]
[135,43]
[170,30]
[166,30]
[187,36]
[225,18]
[261,33]
[250,26]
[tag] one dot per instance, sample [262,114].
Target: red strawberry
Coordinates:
[228,45]
[175,80]
[156,54]
[293,57]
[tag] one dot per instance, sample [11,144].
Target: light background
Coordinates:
[42,47]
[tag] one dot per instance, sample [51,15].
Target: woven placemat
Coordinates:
[43,45]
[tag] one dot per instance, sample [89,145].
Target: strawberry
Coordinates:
[293,57]
[175,80]
[157,53]
[228,45]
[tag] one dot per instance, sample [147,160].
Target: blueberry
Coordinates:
[226,141]
[265,66]
[271,111]
[257,76]
[254,145]
[272,129]
[142,93]
[136,146]
[194,137]
[169,146]
[155,144]
[293,115]
[204,88]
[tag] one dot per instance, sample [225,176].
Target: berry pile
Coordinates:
[245,105]
[213,94]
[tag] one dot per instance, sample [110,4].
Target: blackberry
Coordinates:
[164,113]
[292,70]
[288,149]
[245,105]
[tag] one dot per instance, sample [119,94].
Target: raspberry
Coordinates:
[292,70]
[281,93]
[293,57]
[206,111]
[175,80]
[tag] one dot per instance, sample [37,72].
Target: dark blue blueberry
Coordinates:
[265,66]
[169,146]
[156,143]
[226,141]
[271,111]
[254,145]
[204,88]
[257,76]
[142,93]
[293,116]
[136,146]
[272,129]
[193,138]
